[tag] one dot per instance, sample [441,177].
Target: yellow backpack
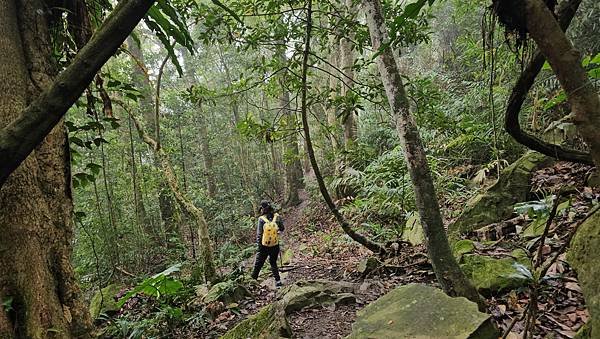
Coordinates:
[270,229]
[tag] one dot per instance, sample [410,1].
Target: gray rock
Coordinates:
[368,265]
[413,230]
[420,311]
[496,203]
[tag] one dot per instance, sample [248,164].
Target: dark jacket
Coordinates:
[261,223]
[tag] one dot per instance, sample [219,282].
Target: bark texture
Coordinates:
[447,271]
[333,89]
[211,185]
[35,201]
[565,61]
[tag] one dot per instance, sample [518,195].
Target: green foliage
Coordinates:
[166,22]
[7,304]
[156,286]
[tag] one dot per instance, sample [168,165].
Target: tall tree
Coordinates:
[19,137]
[293,166]
[333,61]
[186,204]
[207,158]
[142,82]
[447,271]
[359,238]
[346,65]
[36,276]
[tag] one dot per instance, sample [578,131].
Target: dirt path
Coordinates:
[321,251]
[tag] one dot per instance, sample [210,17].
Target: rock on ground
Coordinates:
[584,256]
[492,275]
[421,311]
[496,203]
[104,300]
[271,321]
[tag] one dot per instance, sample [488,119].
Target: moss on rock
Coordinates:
[413,231]
[269,322]
[496,203]
[584,256]
[462,247]
[227,292]
[420,311]
[491,275]
[104,300]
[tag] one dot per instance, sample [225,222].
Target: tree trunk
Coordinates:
[186,204]
[142,82]
[332,111]
[565,60]
[293,166]
[211,186]
[519,93]
[24,133]
[447,271]
[35,202]
[346,63]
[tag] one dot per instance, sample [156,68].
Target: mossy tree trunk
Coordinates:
[206,252]
[447,271]
[35,202]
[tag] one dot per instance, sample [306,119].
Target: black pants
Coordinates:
[261,256]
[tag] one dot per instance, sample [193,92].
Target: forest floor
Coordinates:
[320,252]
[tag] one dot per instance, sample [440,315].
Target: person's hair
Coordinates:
[266,207]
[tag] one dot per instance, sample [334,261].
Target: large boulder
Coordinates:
[420,311]
[105,301]
[492,275]
[308,294]
[228,292]
[496,203]
[584,256]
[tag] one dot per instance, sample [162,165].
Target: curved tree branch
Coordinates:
[519,93]
[361,239]
[21,136]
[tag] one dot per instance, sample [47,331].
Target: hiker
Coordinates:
[267,238]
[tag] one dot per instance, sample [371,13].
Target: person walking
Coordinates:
[269,226]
